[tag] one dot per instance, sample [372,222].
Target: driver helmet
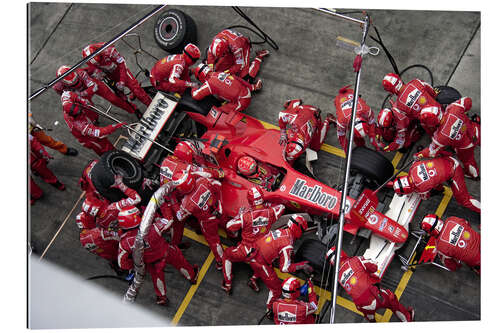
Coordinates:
[291,288]
[432,224]
[129,217]
[392,83]
[247,166]
[297,225]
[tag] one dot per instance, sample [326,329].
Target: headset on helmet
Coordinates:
[297,225]
[432,224]
[402,185]
[129,217]
[184,182]
[201,71]
[184,151]
[69,80]
[430,116]
[392,83]
[219,47]
[247,166]
[255,196]
[192,52]
[291,288]
[385,118]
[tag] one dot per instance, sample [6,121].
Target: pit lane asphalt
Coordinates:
[308,65]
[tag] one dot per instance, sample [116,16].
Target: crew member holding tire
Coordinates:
[301,127]
[233,90]
[365,119]
[456,241]
[111,64]
[289,310]
[424,176]
[171,74]
[85,86]
[81,122]
[278,244]
[357,276]
[459,132]
[38,165]
[253,222]
[157,254]
[414,101]
[230,51]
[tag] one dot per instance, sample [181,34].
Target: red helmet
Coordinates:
[201,71]
[69,80]
[291,288]
[129,217]
[430,116]
[297,225]
[360,128]
[432,224]
[184,151]
[88,51]
[219,47]
[402,185]
[465,102]
[293,149]
[331,255]
[255,196]
[192,53]
[92,205]
[183,181]
[385,118]
[247,165]
[392,83]
[293,102]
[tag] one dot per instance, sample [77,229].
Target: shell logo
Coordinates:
[343,99]
[263,229]
[422,100]
[268,239]
[430,165]
[466,235]
[164,60]
[353,281]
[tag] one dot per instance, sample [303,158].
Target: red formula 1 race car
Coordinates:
[171,118]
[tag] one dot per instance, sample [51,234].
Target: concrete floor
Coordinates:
[307,65]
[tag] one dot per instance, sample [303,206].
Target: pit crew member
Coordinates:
[157,252]
[414,101]
[253,222]
[202,200]
[357,277]
[289,309]
[226,87]
[111,64]
[426,175]
[80,82]
[278,244]
[387,130]
[171,73]
[38,165]
[456,241]
[459,132]
[230,51]
[301,127]
[81,122]
[364,125]
[38,132]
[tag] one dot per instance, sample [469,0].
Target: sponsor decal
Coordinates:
[455,129]
[353,281]
[275,234]
[466,235]
[268,239]
[412,97]
[422,172]
[422,100]
[287,313]
[462,244]
[295,204]
[391,229]
[346,275]
[213,113]
[373,219]
[313,194]
[383,224]
[455,234]
[282,188]
[398,232]
[260,221]
[201,197]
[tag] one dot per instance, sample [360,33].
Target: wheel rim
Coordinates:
[169,27]
[123,167]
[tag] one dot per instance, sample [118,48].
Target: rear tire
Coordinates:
[371,164]
[188,104]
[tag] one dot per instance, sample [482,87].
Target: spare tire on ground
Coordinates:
[447,95]
[371,164]
[110,164]
[173,30]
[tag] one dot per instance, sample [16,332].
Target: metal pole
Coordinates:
[366,25]
[127,126]
[334,13]
[81,62]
